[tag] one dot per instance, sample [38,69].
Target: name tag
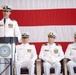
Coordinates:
[46,50]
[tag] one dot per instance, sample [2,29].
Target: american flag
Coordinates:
[39,17]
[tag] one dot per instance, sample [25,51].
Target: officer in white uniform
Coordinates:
[8,28]
[51,53]
[71,54]
[25,55]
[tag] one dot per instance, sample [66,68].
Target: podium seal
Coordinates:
[5,51]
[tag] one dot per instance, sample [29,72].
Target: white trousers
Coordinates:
[26,64]
[2,60]
[47,66]
[70,66]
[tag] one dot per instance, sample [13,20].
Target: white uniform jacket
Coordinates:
[71,52]
[25,52]
[10,29]
[51,53]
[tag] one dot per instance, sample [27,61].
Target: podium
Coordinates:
[6,51]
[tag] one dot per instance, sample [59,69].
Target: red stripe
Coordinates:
[44,17]
[39,44]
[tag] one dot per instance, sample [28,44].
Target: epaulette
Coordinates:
[13,20]
[44,44]
[31,44]
[58,45]
[72,43]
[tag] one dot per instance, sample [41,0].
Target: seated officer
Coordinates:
[25,55]
[71,54]
[51,53]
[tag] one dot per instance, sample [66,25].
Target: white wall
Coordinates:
[39,4]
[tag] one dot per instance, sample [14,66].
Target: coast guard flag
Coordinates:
[39,17]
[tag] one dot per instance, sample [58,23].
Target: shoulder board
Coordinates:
[31,44]
[44,44]
[71,43]
[17,45]
[13,20]
[58,45]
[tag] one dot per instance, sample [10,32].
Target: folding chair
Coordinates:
[67,72]
[25,70]
[52,69]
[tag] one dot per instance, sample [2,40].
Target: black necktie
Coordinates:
[4,21]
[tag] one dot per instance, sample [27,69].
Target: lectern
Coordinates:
[6,51]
